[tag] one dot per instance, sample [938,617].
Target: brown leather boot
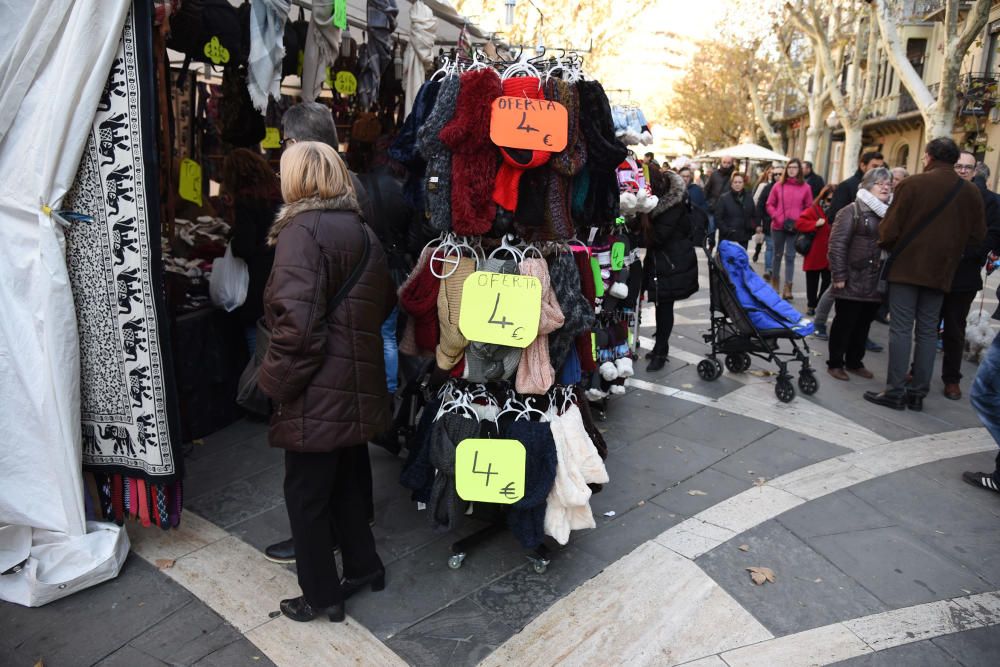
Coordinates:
[775,282]
[787,292]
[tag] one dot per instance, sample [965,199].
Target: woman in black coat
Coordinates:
[671,265]
[736,213]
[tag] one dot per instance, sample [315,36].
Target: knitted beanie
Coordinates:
[486,362]
[445,507]
[558,222]
[572,159]
[438,156]
[418,296]
[604,153]
[515,160]
[449,307]
[535,374]
[569,373]
[577,312]
[474,158]
[526,517]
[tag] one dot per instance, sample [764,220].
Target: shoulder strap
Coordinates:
[352,280]
[901,245]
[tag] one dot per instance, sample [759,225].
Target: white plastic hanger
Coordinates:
[506,246]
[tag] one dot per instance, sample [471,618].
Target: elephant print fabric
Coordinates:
[111,262]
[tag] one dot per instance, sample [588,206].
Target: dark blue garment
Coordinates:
[766,309]
[985,395]
[404,147]
[526,517]
[571,373]
[418,473]
[697,196]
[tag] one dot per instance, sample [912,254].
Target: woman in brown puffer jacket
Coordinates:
[854,266]
[325,302]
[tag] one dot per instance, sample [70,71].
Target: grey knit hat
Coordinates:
[438,156]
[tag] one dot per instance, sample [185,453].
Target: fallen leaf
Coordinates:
[761,373]
[744,547]
[759,575]
[696,492]
[40,663]
[164,563]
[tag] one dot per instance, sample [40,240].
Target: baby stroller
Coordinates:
[748,319]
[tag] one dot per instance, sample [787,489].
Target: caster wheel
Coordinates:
[784,390]
[709,369]
[738,363]
[540,567]
[808,384]
[455,561]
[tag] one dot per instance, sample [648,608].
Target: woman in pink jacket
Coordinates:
[788,199]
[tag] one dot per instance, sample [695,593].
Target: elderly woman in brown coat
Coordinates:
[854,264]
[325,302]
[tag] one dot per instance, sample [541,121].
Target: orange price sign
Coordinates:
[539,125]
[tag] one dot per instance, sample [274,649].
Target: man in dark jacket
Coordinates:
[848,188]
[965,285]
[814,180]
[930,241]
[718,182]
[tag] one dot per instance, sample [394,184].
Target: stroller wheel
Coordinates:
[784,390]
[709,369]
[738,362]
[808,383]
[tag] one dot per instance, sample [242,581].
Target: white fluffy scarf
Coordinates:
[877,206]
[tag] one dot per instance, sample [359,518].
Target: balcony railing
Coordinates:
[977,93]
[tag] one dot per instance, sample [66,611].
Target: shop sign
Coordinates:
[216,52]
[490,471]
[539,125]
[501,308]
[189,187]
[340,14]
[272,138]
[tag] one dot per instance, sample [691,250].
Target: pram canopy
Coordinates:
[765,308]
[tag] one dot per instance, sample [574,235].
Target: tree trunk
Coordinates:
[852,147]
[763,121]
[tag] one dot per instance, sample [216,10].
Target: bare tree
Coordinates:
[843,34]
[815,90]
[938,112]
[755,74]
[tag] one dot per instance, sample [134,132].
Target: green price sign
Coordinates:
[490,471]
[617,256]
[340,14]
[189,185]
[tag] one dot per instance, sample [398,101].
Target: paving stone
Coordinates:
[238,654]
[796,601]
[459,636]
[668,458]
[948,473]
[400,529]
[898,567]
[264,529]
[242,499]
[806,446]
[640,414]
[207,470]
[189,634]
[614,539]
[233,434]
[86,627]
[628,487]
[385,476]
[973,648]
[686,378]
[719,429]
[917,654]
[758,460]
[129,656]
[963,530]
[716,485]
[838,512]
[517,598]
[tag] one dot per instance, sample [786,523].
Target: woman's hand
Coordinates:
[820,222]
[840,285]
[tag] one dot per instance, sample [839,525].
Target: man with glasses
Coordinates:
[934,216]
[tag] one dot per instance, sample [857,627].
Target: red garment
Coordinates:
[515,160]
[816,260]
[584,343]
[474,158]
[419,297]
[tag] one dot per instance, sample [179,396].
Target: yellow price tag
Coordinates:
[272,138]
[501,308]
[189,187]
[216,52]
[345,83]
[490,471]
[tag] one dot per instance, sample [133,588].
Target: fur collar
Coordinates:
[673,196]
[346,202]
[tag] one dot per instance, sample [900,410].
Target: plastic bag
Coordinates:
[229,281]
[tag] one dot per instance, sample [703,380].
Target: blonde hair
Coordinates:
[313,169]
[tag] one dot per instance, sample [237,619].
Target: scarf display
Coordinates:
[486,362]
[446,509]
[577,312]
[378,52]
[452,344]
[418,296]
[516,160]
[535,374]
[437,186]
[579,464]
[322,47]
[419,55]
[526,517]
[267,49]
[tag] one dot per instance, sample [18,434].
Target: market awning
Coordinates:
[745,152]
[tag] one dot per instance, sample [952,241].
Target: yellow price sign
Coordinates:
[216,52]
[345,83]
[272,138]
[501,308]
[189,186]
[490,471]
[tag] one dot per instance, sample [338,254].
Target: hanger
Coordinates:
[524,67]
[451,255]
[442,70]
[529,408]
[530,248]
[506,246]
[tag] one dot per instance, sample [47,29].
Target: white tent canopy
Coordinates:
[745,152]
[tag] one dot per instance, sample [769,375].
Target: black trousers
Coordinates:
[817,282]
[954,312]
[324,489]
[664,326]
[849,332]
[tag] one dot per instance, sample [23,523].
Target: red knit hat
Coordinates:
[515,160]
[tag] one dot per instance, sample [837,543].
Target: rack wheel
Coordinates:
[808,384]
[784,390]
[455,561]
[709,369]
[738,362]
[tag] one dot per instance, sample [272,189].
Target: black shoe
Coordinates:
[657,363]
[650,354]
[299,610]
[283,553]
[915,402]
[883,399]
[981,479]
[376,580]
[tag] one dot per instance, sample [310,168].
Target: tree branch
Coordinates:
[974,24]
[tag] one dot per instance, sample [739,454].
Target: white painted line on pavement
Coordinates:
[235,580]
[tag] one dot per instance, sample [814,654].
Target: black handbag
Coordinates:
[788,226]
[248,394]
[804,242]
